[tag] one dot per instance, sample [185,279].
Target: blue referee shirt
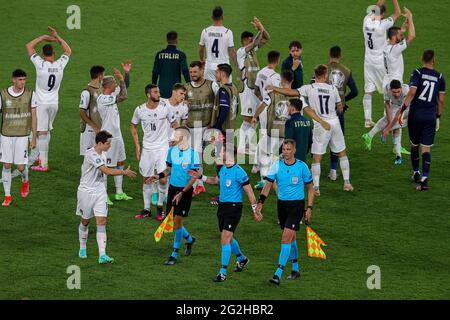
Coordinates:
[291,179]
[181,161]
[232,182]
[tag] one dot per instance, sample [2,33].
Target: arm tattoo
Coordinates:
[123,94]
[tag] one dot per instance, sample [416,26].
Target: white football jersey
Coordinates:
[217,41]
[155,124]
[266,77]
[322,98]
[241,54]
[177,114]
[393,60]
[396,103]
[91,177]
[48,78]
[109,112]
[375,38]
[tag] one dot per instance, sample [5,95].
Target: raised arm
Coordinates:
[33,43]
[123,94]
[127,66]
[411,27]
[397,12]
[64,45]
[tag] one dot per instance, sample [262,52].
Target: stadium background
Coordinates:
[384,222]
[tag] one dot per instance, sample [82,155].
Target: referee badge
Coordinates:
[228,183]
[184,165]
[294,180]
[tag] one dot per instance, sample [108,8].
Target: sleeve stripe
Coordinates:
[268,179]
[308,182]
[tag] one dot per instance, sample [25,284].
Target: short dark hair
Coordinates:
[295,43]
[96,71]
[392,31]
[296,103]
[19,73]
[149,88]
[225,67]
[290,141]
[273,56]
[287,75]
[217,13]
[47,50]
[428,56]
[171,36]
[102,136]
[196,64]
[335,52]
[395,84]
[321,70]
[382,8]
[246,34]
[178,86]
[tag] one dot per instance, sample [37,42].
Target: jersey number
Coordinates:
[153,126]
[215,48]
[324,104]
[429,87]
[370,41]
[51,82]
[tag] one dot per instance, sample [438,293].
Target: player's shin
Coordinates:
[43,149]
[426,163]
[315,170]
[294,255]
[415,160]
[367,104]
[6,177]
[345,168]
[101,239]
[83,232]
[118,180]
[147,195]
[186,235]
[178,233]
[283,258]
[235,249]
[226,255]
[162,193]
[24,174]
[397,140]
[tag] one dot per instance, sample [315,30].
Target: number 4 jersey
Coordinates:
[48,78]
[216,41]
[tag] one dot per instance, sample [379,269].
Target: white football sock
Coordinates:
[397,144]
[154,186]
[147,195]
[6,177]
[367,104]
[315,170]
[43,149]
[118,180]
[345,168]
[83,232]
[101,240]
[162,193]
[24,174]
[378,127]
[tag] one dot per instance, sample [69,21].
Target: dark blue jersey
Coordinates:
[429,84]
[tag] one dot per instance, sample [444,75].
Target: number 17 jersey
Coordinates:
[48,78]
[322,97]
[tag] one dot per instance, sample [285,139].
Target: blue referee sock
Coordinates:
[294,255]
[333,161]
[426,163]
[236,250]
[415,160]
[177,242]
[226,254]
[186,235]
[282,260]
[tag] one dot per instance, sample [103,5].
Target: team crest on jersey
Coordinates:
[281,110]
[108,161]
[95,95]
[294,180]
[190,94]
[337,78]
[228,183]
[249,110]
[8,103]
[98,160]
[184,165]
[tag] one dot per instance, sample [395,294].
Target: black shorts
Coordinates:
[183,206]
[229,214]
[290,213]
[421,130]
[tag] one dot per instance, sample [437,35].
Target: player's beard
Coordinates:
[155,100]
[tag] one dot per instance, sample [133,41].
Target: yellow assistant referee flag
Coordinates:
[165,226]
[314,244]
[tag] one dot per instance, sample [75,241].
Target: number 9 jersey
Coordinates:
[48,78]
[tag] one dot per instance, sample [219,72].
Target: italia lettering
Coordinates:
[170,56]
[301,124]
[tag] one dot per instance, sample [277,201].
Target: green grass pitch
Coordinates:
[384,222]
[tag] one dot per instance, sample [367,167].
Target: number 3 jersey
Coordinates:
[155,124]
[375,38]
[323,98]
[48,78]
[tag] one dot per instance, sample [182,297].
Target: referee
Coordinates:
[168,66]
[291,176]
[232,181]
